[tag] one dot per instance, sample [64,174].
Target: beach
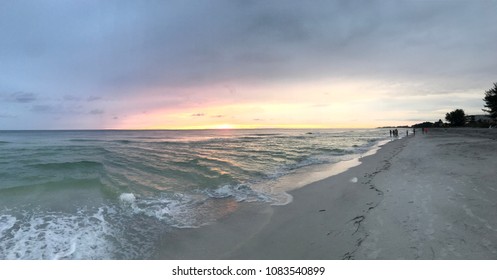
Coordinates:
[426,196]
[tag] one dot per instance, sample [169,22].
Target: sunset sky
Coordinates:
[241,63]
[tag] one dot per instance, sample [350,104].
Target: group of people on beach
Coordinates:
[394,133]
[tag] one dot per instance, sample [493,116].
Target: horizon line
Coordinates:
[188,129]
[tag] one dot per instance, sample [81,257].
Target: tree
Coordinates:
[456,117]
[440,123]
[424,124]
[491,101]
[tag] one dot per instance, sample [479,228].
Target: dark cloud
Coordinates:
[21,97]
[123,44]
[198,115]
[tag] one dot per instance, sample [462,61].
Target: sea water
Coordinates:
[112,194]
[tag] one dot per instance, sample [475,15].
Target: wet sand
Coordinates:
[428,196]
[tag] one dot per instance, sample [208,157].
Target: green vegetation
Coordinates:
[456,117]
[429,124]
[491,101]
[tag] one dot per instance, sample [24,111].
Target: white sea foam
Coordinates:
[127,231]
[6,223]
[127,198]
[55,236]
[176,210]
[240,192]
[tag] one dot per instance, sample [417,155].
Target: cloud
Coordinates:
[96,112]
[198,115]
[71,98]
[177,44]
[21,97]
[93,98]
[71,110]
[43,109]
[151,55]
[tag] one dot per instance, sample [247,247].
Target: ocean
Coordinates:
[112,194]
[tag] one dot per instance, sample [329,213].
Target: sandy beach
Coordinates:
[426,196]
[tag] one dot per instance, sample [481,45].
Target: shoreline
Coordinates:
[225,238]
[426,196]
[324,219]
[307,175]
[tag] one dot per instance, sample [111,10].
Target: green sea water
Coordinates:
[112,194]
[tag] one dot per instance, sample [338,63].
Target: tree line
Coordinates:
[459,118]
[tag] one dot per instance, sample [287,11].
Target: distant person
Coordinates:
[391,132]
[407,132]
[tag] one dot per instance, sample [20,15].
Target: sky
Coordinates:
[191,64]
